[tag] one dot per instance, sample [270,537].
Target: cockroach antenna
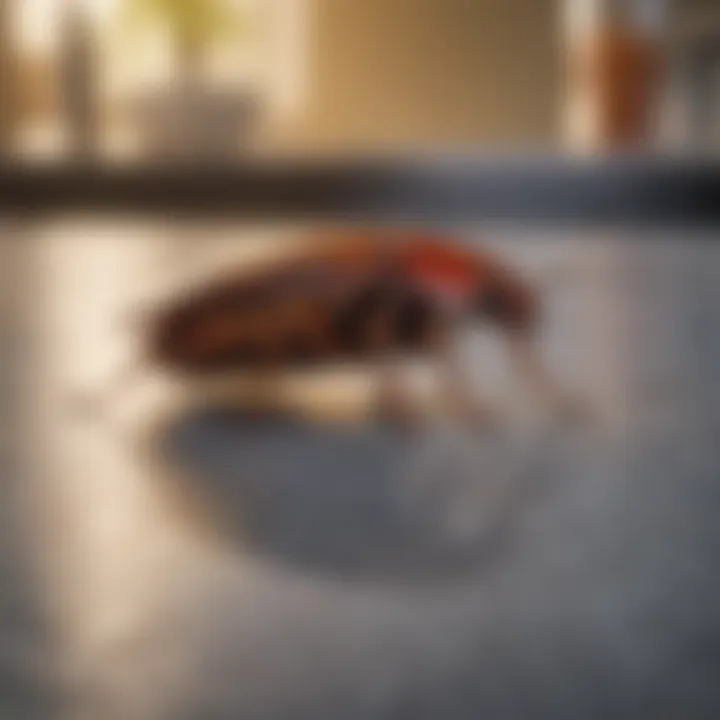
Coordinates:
[92,404]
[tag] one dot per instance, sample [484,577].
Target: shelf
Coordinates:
[619,190]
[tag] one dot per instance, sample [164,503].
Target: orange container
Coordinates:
[616,70]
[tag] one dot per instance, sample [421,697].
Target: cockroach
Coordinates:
[365,297]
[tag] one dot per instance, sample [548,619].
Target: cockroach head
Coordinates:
[508,302]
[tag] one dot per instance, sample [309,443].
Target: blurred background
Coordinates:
[188,563]
[122,78]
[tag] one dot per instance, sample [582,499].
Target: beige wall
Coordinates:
[431,71]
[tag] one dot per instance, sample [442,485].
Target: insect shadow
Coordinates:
[363,502]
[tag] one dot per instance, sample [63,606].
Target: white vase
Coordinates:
[195,122]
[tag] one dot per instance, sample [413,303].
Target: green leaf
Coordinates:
[200,22]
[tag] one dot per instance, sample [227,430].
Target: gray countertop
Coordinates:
[568,575]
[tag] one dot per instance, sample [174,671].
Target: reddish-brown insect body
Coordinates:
[348,299]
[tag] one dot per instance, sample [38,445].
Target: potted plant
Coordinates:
[189,117]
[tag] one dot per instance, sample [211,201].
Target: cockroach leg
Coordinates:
[535,375]
[465,405]
[265,395]
[457,391]
[395,400]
